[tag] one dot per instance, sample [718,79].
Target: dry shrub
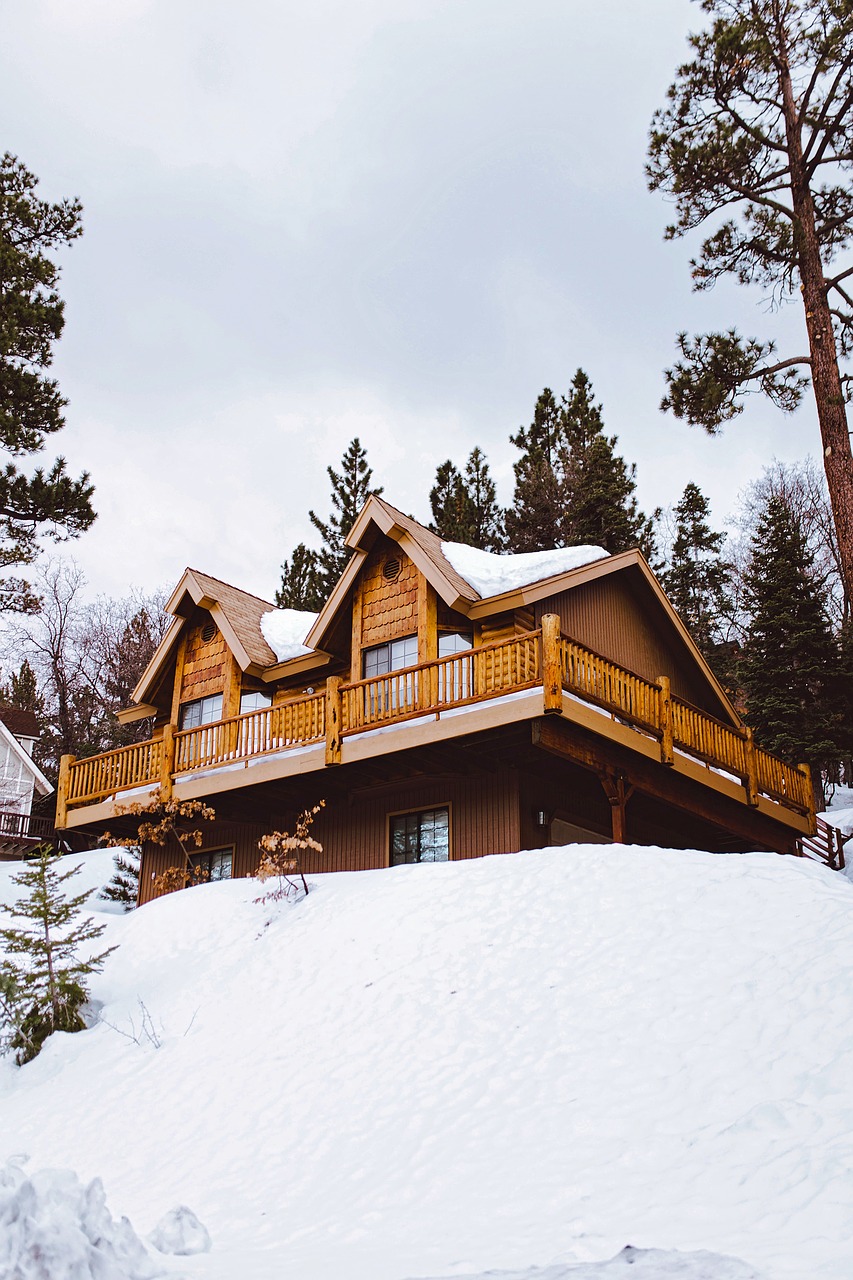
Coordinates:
[160,820]
[280,854]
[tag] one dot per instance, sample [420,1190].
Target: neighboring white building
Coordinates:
[20,781]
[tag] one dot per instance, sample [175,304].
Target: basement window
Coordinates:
[419,837]
[217,863]
[202,711]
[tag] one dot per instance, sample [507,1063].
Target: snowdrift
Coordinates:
[512,1063]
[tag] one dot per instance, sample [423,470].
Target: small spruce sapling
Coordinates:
[43,978]
[123,888]
[280,855]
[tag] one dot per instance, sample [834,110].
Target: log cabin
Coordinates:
[445,703]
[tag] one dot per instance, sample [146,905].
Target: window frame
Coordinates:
[198,702]
[388,644]
[254,693]
[424,808]
[202,856]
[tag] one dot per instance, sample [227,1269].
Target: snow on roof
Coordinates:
[285,630]
[492,574]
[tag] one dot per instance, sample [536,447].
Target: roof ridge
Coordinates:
[230,585]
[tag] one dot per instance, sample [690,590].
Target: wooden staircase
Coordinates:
[826,846]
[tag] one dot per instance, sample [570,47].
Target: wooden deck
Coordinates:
[570,677]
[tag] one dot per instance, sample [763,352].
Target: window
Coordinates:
[216,863]
[397,695]
[393,656]
[254,701]
[420,837]
[202,711]
[450,642]
[455,679]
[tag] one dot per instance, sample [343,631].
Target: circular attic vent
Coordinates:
[208,631]
[391,569]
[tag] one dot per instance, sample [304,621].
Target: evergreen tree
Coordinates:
[486,518]
[600,507]
[301,581]
[448,499]
[31,321]
[44,977]
[22,691]
[696,578]
[757,137]
[124,885]
[789,670]
[350,490]
[534,520]
[465,508]
[572,488]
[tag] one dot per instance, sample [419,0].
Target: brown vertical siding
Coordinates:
[608,617]
[484,818]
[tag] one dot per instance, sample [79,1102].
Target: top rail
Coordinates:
[255,733]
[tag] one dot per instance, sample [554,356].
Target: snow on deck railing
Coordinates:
[536,658]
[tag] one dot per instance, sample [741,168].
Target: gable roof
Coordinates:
[40,782]
[23,724]
[238,613]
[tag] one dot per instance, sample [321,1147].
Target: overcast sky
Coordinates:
[397,219]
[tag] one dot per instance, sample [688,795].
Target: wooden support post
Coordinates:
[167,762]
[751,782]
[552,671]
[333,720]
[61,818]
[812,800]
[667,753]
[618,793]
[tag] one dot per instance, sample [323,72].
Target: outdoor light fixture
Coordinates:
[541,818]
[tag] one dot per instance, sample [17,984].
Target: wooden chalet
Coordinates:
[21,780]
[438,722]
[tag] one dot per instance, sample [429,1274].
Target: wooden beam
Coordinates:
[61,817]
[333,720]
[167,765]
[552,670]
[571,743]
[427,620]
[618,792]
[355,652]
[180,658]
[667,750]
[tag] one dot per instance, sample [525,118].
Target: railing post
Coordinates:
[167,762]
[63,780]
[667,751]
[751,768]
[333,720]
[552,670]
[810,795]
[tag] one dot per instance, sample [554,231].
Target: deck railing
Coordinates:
[537,658]
[471,676]
[256,733]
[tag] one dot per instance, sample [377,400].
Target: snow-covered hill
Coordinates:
[435,1070]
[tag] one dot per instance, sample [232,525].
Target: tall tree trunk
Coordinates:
[826,377]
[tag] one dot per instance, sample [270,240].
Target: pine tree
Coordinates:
[350,490]
[465,508]
[598,485]
[22,691]
[534,520]
[448,499]
[789,670]
[571,487]
[31,321]
[697,577]
[301,584]
[486,518]
[43,974]
[124,885]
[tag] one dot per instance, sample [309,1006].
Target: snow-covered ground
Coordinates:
[511,1065]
